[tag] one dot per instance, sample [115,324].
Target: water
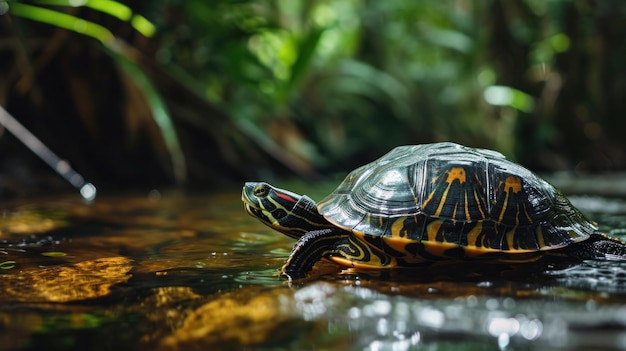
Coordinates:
[174,271]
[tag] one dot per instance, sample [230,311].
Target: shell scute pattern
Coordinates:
[455,189]
[449,194]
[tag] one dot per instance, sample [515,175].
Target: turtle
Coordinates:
[428,203]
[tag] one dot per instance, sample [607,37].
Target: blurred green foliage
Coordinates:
[326,85]
[335,80]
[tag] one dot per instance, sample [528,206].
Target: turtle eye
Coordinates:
[261,190]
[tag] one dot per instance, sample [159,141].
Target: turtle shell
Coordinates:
[445,194]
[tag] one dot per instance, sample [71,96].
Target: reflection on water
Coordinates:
[176,272]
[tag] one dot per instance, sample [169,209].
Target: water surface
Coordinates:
[177,271]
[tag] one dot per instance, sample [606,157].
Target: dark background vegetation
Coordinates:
[227,90]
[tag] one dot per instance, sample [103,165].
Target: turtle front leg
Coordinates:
[338,245]
[310,248]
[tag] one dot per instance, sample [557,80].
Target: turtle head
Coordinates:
[287,212]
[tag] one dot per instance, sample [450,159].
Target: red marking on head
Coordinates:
[286,197]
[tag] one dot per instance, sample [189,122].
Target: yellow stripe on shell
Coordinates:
[510,240]
[474,233]
[432,193]
[467,214]
[442,200]
[480,208]
[530,220]
[432,229]
[396,227]
[513,183]
[399,245]
[439,248]
[511,256]
[454,173]
[540,238]
[504,206]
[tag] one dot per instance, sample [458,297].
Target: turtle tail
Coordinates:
[599,246]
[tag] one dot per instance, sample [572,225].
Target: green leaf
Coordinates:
[142,25]
[111,8]
[306,52]
[62,20]
[160,114]
[498,95]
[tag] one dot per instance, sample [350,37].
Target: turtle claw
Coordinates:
[292,275]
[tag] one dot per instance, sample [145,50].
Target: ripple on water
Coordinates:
[596,276]
[400,323]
